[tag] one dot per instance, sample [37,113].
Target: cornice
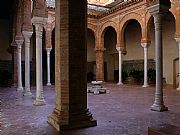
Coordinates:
[123,12]
[117,8]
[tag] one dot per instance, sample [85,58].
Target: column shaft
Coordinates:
[14,59]
[120,65]
[145,47]
[19,45]
[27,35]
[48,66]
[39,22]
[158,103]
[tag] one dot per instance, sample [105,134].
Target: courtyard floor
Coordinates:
[124,111]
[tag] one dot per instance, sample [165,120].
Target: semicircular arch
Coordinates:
[125,20]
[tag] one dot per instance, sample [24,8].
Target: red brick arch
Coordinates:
[148,22]
[146,32]
[123,23]
[93,28]
[103,30]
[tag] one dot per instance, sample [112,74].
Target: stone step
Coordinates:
[164,129]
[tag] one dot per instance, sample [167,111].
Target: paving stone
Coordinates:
[124,111]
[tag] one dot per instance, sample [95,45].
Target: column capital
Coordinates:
[38,20]
[177,39]
[158,6]
[145,40]
[48,49]
[119,49]
[27,34]
[145,45]
[13,44]
[19,41]
[100,49]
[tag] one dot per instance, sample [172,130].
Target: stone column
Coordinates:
[158,8]
[39,22]
[48,66]
[158,103]
[145,47]
[100,64]
[19,46]
[120,49]
[178,41]
[14,59]
[27,35]
[71,110]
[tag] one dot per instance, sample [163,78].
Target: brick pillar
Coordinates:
[100,64]
[71,110]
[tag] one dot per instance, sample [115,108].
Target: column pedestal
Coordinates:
[27,35]
[48,66]
[80,120]
[120,49]
[39,22]
[19,46]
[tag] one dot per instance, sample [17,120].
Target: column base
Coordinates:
[82,120]
[145,86]
[39,102]
[20,89]
[48,84]
[27,92]
[178,89]
[159,108]
[119,83]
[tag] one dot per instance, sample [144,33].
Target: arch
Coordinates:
[123,23]
[103,30]
[173,10]
[107,24]
[149,18]
[146,32]
[92,27]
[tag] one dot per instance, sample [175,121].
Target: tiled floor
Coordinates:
[124,111]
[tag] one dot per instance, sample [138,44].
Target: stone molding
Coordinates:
[100,49]
[145,45]
[119,48]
